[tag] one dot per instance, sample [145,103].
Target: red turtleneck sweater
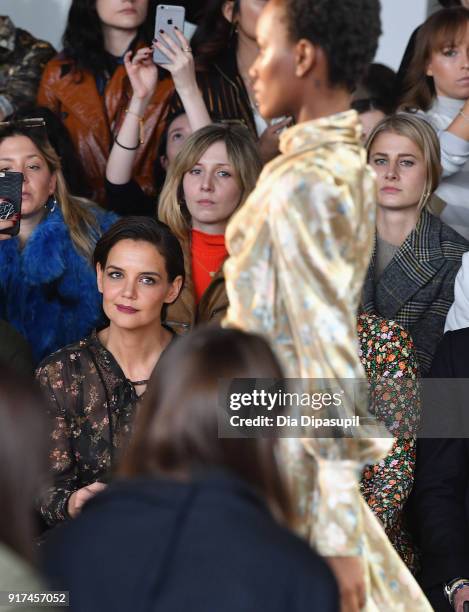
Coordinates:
[208,252]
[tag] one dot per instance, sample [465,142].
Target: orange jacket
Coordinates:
[93,120]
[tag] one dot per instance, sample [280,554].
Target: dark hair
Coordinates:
[59,137]
[83,40]
[214,34]
[159,172]
[176,431]
[376,90]
[441,28]
[144,229]
[346,30]
[449,3]
[23,460]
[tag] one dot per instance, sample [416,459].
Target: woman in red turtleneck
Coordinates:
[210,178]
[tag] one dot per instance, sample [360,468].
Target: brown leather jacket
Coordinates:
[93,121]
[184,314]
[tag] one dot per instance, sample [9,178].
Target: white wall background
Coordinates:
[46,19]
[399,19]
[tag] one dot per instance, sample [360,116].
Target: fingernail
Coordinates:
[161,31]
[176,28]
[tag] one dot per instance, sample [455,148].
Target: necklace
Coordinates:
[138,383]
[211,273]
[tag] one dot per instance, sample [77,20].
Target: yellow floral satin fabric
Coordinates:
[299,250]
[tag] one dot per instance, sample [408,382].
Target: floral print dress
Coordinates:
[387,352]
[92,405]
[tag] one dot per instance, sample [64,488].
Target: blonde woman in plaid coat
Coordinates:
[416,256]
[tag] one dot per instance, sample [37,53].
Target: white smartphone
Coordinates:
[167,17]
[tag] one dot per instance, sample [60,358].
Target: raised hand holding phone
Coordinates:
[168,20]
[11,184]
[180,64]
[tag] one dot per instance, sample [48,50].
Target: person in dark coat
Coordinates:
[440,499]
[416,257]
[198,522]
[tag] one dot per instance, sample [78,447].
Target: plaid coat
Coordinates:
[417,287]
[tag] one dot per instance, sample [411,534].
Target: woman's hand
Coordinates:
[269,139]
[350,577]
[7,225]
[77,500]
[181,62]
[142,72]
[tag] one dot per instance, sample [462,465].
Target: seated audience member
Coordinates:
[15,352]
[22,60]
[47,283]
[224,46]
[94,385]
[436,86]
[388,356]
[58,136]
[410,49]
[374,97]
[23,468]
[441,489]
[87,87]
[209,180]
[196,516]
[124,194]
[416,258]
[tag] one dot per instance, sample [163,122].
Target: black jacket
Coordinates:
[206,546]
[440,499]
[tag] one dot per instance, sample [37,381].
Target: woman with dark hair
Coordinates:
[87,87]
[374,96]
[299,249]
[196,515]
[211,177]
[436,85]
[47,282]
[23,470]
[93,387]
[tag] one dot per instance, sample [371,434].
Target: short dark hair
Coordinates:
[376,90]
[346,30]
[145,229]
[176,431]
[24,469]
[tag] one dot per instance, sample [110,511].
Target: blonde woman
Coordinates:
[47,284]
[416,257]
[210,178]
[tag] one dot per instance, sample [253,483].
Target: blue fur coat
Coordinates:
[48,290]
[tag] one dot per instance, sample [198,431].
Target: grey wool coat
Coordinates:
[416,289]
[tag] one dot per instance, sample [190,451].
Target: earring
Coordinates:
[51,203]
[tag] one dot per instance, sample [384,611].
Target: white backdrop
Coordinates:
[46,19]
